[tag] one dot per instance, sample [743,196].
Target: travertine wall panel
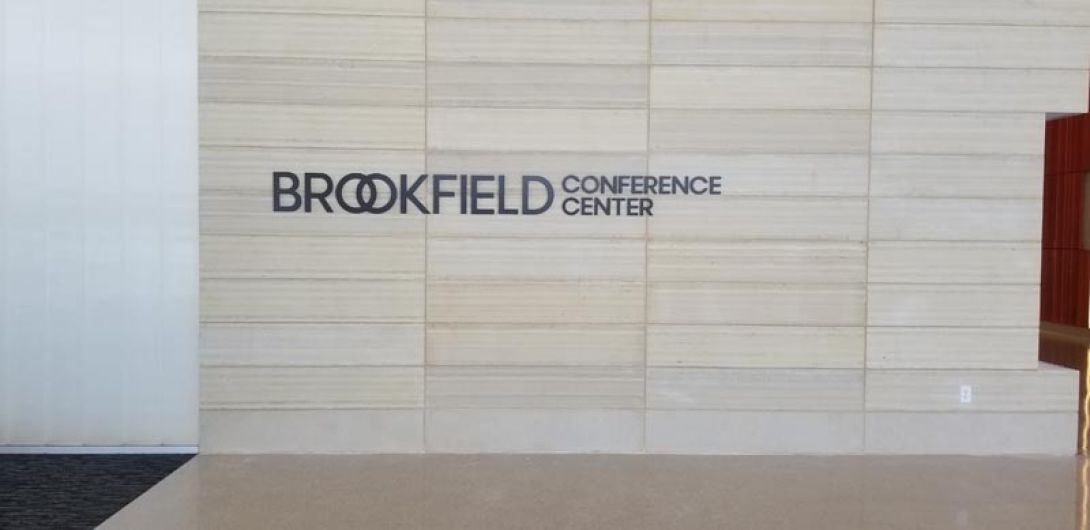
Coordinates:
[535,387]
[955,219]
[957,133]
[263,387]
[760,218]
[876,245]
[998,12]
[961,262]
[760,43]
[759,131]
[530,344]
[980,46]
[537,41]
[951,305]
[980,89]
[784,88]
[307,36]
[309,81]
[326,7]
[771,10]
[748,261]
[326,344]
[951,347]
[778,174]
[1044,390]
[754,389]
[755,346]
[558,9]
[984,176]
[471,129]
[598,86]
[754,303]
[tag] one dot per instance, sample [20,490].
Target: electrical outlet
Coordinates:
[966,394]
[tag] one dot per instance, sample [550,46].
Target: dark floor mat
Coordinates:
[75,491]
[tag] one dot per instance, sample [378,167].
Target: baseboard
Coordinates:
[98,449]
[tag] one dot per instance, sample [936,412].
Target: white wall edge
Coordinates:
[98,449]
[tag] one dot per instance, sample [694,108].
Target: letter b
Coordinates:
[280,191]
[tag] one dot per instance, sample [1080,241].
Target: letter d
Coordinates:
[526,180]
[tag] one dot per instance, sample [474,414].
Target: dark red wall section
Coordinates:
[1065,264]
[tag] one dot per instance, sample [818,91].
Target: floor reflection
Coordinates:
[625,492]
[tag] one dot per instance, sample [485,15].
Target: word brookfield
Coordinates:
[481,194]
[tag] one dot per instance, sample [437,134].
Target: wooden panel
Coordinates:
[955,219]
[760,43]
[998,176]
[709,87]
[311,344]
[561,9]
[716,388]
[534,387]
[537,85]
[533,302]
[312,36]
[1065,285]
[311,300]
[778,10]
[759,218]
[253,387]
[756,262]
[999,12]
[754,131]
[310,81]
[949,45]
[802,304]
[1065,262]
[979,89]
[238,124]
[330,7]
[1048,389]
[784,174]
[537,41]
[535,259]
[951,348]
[555,345]
[755,346]
[952,305]
[312,257]
[958,133]
[537,129]
[954,262]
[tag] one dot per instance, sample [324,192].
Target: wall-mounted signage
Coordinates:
[481,194]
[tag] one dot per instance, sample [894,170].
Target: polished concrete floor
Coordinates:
[623,492]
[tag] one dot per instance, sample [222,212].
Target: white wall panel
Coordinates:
[98,284]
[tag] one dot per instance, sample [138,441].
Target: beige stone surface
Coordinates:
[876,246]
